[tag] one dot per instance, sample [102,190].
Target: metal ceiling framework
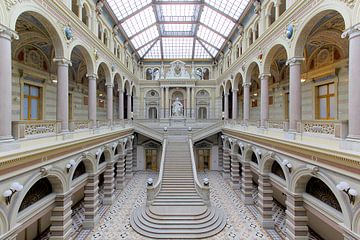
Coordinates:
[178,29]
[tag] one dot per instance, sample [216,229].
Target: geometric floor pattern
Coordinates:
[241,223]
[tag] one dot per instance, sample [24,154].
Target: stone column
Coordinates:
[62,97]
[109,184]
[277,11]
[246,184]
[80,6]
[129,106]
[226,164]
[120,172]
[129,162]
[188,102]
[109,104]
[6,35]
[226,106]
[296,219]
[167,102]
[121,104]
[264,78]
[295,93]
[354,85]
[266,201]
[235,104]
[92,99]
[91,202]
[162,112]
[235,172]
[193,104]
[246,107]
[61,221]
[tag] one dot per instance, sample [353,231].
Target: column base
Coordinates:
[350,144]
[8,144]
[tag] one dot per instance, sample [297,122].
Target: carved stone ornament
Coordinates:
[68,33]
[289,33]
[10,3]
[8,31]
[350,3]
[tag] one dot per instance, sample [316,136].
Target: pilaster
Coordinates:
[235,172]
[129,163]
[226,164]
[246,184]
[109,184]
[120,173]
[91,202]
[61,221]
[296,219]
[92,98]
[266,201]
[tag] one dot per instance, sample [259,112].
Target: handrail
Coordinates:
[154,134]
[153,190]
[202,190]
[204,132]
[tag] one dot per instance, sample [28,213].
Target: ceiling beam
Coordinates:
[158,27]
[135,12]
[137,49]
[138,33]
[206,49]
[218,33]
[152,45]
[176,2]
[221,13]
[201,9]
[208,43]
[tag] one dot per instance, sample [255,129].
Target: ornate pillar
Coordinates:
[61,221]
[188,102]
[120,172]
[266,201]
[226,106]
[167,102]
[109,105]
[6,35]
[193,104]
[235,172]
[264,79]
[296,219]
[246,114]
[235,104]
[162,112]
[109,184]
[246,184]
[92,99]
[129,106]
[91,201]
[121,104]
[226,164]
[354,85]
[129,162]
[295,92]
[62,97]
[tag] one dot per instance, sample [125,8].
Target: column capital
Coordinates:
[264,76]
[295,61]
[235,90]
[246,84]
[62,61]
[8,32]
[351,32]
[109,85]
[91,76]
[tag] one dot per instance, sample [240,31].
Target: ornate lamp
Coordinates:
[15,187]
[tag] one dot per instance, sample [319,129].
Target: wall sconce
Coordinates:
[15,187]
[222,137]
[97,154]
[150,182]
[189,129]
[114,146]
[206,182]
[346,188]
[259,153]
[165,129]
[287,164]
[71,164]
[132,137]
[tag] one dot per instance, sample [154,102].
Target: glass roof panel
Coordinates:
[211,37]
[200,51]
[216,21]
[155,52]
[178,27]
[144,49]
[213,51]
[145,37]
[177,47]
[233,8]
[123,8]
[139,21]
[177,12]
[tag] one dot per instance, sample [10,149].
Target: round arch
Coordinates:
[86,55]
[4,224]
[228,86]
[221,90]
[117,79]
[302,176]
[89,162]
[250,69]
[248,151]
[312,19]
[268,160]
[133,90]
[269,56]
[356,220]
[106,71]
[126,85]
[238,79]
[48,22]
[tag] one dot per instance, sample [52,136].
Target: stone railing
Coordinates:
[338,129]
[25,129]
[278,124]
[253,123]
[75,125]
[102,123]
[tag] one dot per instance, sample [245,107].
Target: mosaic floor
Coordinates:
[242,224]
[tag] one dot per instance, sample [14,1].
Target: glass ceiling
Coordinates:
[178,29]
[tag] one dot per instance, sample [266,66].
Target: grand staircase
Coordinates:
[177,207]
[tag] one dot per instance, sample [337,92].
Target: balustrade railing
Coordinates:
[75,125]
[338,129]
[25,129]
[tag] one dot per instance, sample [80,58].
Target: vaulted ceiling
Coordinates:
[178,29]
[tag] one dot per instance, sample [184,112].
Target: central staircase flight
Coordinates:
[178,206]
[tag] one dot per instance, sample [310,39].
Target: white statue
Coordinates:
[177,108]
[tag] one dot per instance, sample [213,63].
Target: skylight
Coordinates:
[178,29]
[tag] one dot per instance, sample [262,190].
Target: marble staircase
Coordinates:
[178,210]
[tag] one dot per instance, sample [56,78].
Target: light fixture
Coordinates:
[114,146]
[255,94]
[100,95]
[206,182]
[189,129]
[54,81]
[222,137]
[287,164]
[132,137]
[150,182]
[303,80]
[15,187]
[346,188]
[165,129]
[71,164]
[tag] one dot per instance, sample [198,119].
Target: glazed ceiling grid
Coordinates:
[178,29]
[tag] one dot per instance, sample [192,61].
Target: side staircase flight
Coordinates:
[178,206]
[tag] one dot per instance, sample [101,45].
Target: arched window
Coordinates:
[202,113]
[85,15]
[256,30]
[106,37]
[100,31]
[277,170]
[254,158]
[39,190]
[75,7]
[272,14]
[80,170]
[149,74]
[250,35]
[153,113]
[199,73]
[206,74]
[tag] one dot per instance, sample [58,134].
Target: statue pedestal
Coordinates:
[177,120]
